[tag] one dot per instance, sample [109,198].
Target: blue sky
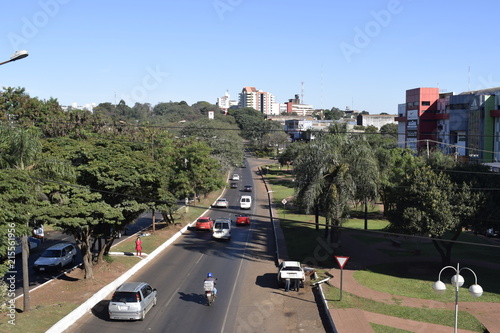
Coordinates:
[361,54]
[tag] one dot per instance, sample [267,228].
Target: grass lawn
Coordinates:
[411,280]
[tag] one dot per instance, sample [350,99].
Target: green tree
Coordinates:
[223,139]
[429,204]
[323,182]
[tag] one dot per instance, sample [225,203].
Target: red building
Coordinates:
[420,118]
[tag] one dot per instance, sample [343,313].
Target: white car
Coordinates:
[222,228]
[236,177]
[245,202]
[221,203]
[291,275]
[56,257]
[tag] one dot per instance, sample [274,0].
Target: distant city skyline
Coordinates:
[363,54]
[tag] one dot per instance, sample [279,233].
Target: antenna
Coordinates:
[302,93]
[321,97]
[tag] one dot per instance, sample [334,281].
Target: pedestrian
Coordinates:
[138,247]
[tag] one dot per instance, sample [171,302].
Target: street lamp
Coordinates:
[16,56]
[457,281]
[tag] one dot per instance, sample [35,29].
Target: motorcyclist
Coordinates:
[209,279]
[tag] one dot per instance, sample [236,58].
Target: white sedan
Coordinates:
[221,203]
[236,177]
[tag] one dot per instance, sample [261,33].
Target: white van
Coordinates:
[245,202]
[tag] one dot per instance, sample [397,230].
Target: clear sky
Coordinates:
[362,54]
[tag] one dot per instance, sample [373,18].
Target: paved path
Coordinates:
[356,320]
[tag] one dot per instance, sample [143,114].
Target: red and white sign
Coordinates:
[342,261]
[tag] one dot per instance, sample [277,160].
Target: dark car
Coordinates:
[234,185]
[248,188]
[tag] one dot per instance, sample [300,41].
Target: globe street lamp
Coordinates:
[457,281]
[16,56]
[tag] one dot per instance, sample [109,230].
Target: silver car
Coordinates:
[131,301]
[222,228]
[56,257]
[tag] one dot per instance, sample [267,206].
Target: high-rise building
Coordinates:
[260,100]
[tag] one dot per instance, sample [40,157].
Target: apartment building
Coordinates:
[259,100]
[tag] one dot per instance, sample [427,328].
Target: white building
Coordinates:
[225,102]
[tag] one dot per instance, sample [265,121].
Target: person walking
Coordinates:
[138,247]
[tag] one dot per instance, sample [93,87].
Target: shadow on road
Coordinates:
[195,298]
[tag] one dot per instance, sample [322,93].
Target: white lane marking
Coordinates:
[176,292]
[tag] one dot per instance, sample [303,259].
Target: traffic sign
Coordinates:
[341,260]
[284,201]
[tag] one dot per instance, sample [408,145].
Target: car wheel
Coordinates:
[154,301]
[143,315]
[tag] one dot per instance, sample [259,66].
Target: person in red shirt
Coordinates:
[138,246]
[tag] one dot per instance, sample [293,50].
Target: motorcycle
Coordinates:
[210,296]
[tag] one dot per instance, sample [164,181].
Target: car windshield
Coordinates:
[124,296]
[51,253]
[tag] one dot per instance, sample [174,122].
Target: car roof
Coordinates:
[131,286]
[221,199]
[59,246]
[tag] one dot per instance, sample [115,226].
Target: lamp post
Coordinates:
[16,56]
[457,281]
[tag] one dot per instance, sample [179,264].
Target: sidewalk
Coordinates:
[356,320]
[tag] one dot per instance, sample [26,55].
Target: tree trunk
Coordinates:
[87,255]
[153,220]
[26,279]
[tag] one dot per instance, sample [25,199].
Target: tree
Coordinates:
[195,171]
[223,139]
[21,150]
[334,114]
[429,204]
[323,181]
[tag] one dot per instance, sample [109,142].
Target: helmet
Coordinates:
[209,275]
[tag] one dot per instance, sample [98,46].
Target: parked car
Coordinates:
[131,301]
[245,202]
[234,185]
[248,188]
[56,257]
[242,219]
[222,228]
[204,223]
[236,177]
[291,275]
[221,203]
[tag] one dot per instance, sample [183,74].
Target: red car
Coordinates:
[204,223]
[242,219]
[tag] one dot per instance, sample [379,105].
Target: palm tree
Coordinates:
[323,181]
